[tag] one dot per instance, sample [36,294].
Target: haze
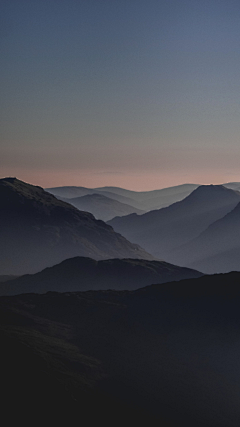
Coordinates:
[138,94]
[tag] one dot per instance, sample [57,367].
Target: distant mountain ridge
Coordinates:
[144,200]
[38,230]
[83,274]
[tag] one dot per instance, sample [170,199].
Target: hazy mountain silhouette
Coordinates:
[102,207]
[163,230]
[154,199]
[233,185]
[144,200]
[217,249]
[71,192]
[167,351]
[38,230]
[80,274]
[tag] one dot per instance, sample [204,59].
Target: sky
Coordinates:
[136,94]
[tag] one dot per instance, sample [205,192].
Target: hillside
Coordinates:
[38,230]
[161,231]
[217,249]
[81,274]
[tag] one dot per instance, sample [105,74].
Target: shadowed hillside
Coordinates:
[38,230]
[162,231]
[217,249]
[80,274]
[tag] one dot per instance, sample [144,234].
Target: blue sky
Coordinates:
[139,94]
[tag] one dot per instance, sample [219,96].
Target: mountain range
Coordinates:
[82,274]
[163,231]
[38,230]
[165,353]
[143,200]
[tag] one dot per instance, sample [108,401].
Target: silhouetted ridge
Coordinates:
[81,274]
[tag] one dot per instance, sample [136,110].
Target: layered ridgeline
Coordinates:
[37,230]
[170,350]
[162,231]
[81,274]
[144,200]
[102,207]
[217,249]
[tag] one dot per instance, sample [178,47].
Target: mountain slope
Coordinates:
[217,249]
[169,350]
[163,230]
[81,274]
[102,207]
[38,230]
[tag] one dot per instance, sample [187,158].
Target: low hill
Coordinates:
[80,274]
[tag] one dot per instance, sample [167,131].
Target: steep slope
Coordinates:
[169,350]
[81,274]
[217,249]
[163,230]
[38,230]
[102,207]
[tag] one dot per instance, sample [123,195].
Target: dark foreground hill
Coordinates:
[168,353]
[163,230]
[81,274]
[37,230]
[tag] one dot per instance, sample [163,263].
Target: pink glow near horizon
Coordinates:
[137,181]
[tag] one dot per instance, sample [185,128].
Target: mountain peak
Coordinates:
[205,192]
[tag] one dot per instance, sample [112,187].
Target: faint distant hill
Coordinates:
[82,274]
[144,200]
[161,231]
[102,207]
[166,351]
[38,230]
[217,249]
[233,185]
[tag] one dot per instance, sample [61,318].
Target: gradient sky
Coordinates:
[137,94]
